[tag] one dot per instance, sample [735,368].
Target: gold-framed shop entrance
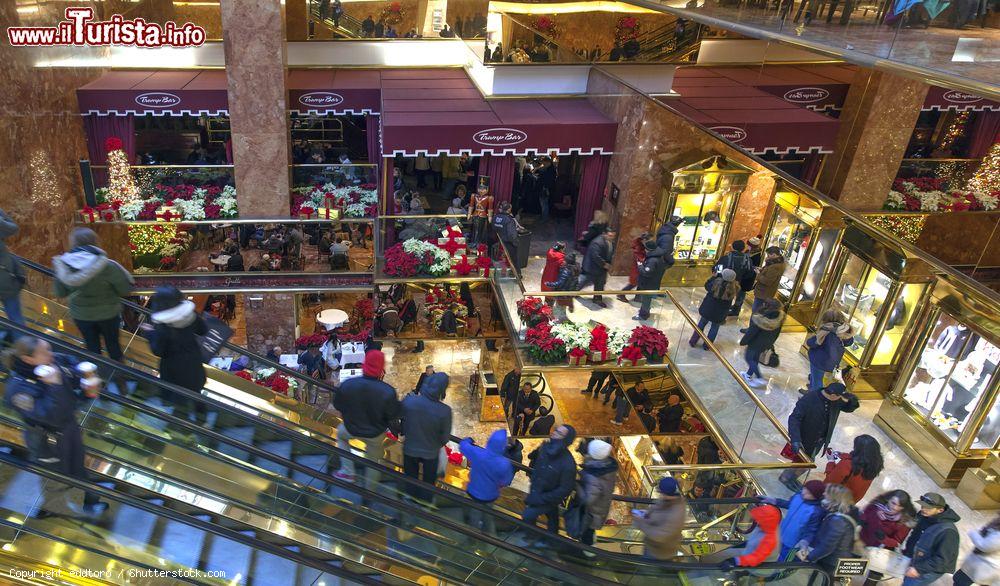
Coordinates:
[705,195]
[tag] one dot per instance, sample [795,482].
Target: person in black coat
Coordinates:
[720,290]
[812,421]
[650,276]
[429,370]
[665,237]
[543,425]
[174,338]
[508,389]
[671,415]
[426,429]
[596,263]
[368,26]
[566,280]
[367,407]
[47,402]
[834,539]
[449,322]
[525,408]
[933,545]
[553,478]
[235,262]
[763,332]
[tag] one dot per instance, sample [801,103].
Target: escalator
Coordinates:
[234,485]
[287,459]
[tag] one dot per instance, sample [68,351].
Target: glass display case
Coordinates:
[704,195]
[793,229]
[878,291]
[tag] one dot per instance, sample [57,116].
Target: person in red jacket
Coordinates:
[553,260]
[762,545]
[639,256]
[858,469]
[886,522]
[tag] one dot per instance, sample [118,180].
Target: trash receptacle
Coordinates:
[523,244]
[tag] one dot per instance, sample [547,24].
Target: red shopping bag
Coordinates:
[788,453]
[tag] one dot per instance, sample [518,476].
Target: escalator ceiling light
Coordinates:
[8,547]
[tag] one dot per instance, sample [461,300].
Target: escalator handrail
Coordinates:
[228,345]
[375,465]
[177,516]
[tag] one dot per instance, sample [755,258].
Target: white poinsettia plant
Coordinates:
[441,260]
[190,209]
[573,335]
[618,339]
[895,201]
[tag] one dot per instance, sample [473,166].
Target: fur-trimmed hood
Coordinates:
[80,265]
[768,323]
[178,316]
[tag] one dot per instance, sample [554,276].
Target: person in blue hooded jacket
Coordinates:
[489,471]
[805,515]
[426,429]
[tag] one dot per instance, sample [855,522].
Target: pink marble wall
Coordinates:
[652,141]
[879,114]
[754,208]
[255,68]
[270,321]
[43,140]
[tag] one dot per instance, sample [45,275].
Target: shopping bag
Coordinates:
[211,342]
[789,454]
[769,358]
[887,562]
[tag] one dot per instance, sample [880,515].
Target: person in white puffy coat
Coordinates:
[983,564]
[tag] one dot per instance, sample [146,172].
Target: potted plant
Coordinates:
[533,311]
[543,346]
[651,341]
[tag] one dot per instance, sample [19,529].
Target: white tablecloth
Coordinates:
[331,319]
[352,353]
[289,360]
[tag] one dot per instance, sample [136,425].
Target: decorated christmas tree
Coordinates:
[121,184]
[987,177]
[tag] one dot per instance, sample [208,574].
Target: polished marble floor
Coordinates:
[970,53]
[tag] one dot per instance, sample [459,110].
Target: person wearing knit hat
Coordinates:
[662,523]
[720,291]
[803,517]
[596,487]
[367,406]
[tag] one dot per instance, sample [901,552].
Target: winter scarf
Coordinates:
[843,331]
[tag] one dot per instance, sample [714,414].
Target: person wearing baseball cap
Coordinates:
[933,544]
[662,523]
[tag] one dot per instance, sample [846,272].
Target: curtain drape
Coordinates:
[372,128]
[592,181]
[985,132]
[229,151]
[500,170]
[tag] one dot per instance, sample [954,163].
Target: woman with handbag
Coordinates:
[596,487]
[765,327]
[886,522]
[720,290]
[858,469]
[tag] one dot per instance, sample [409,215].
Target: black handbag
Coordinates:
[770,358]
[575,517]
[217,333]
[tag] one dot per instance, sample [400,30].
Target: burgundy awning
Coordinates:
[440,111]
[939,98]
[750,117]
[334,91]
[173,93]
[817,87]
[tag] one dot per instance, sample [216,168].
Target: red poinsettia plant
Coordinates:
[365,308]
[533,311]
[543,346]
[310,340]
[277,383]
[399,263]
[651,341]
[245,375]
[463,267]
[484,262]
[631,354]
[599,338]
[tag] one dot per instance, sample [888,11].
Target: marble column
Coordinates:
[297,19]
[270,320]
[255,68]
[652,141]
[43,140]
[753,208]
[879,114]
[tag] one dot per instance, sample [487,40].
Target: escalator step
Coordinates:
[20,490]
[134,524]
[231,557]
[279,448]
[181,544]
[316,462]
[243,434]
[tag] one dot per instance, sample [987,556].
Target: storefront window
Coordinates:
[825,244]
[859,295]
[705,217]
[989,433]
[903,310]
[953,374]
[791,235]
